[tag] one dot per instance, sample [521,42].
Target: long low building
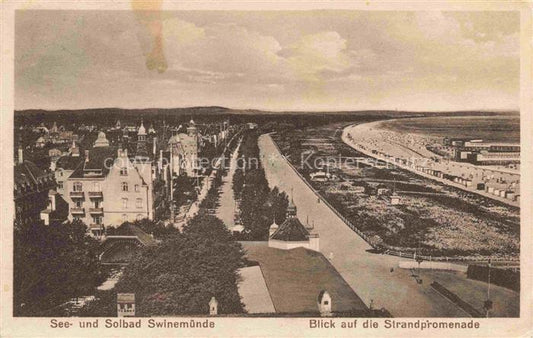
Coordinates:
[492,158]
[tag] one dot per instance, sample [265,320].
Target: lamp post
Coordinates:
[419,260]
[488,303]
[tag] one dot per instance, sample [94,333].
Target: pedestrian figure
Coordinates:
[391,270]
[331,256]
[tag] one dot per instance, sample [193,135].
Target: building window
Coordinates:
[79,204]
[139,217]
[124,171]
[60,185]
[124,186]
[97,219]
[78,186]
[124,217]
[124,203]
[136,188]
[139,202]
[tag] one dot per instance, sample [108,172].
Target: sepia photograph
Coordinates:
[338,168]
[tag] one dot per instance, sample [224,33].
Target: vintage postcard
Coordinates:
[266,169]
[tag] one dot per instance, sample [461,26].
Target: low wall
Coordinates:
[473,312]
[433,266]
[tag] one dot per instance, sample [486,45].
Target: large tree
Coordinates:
[179,276]
[51,265]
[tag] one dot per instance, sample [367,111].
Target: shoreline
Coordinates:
[391,125]
[370,144]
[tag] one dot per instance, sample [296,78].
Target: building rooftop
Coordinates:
[128,229]
[28,173]
[96,162]
[69,162]
[291,230]
[254,291]
[296,277]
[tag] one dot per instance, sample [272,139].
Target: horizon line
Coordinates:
[513,110]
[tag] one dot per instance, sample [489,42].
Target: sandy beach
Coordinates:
[408,150]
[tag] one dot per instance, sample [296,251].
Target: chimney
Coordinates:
[154,150]
[21,155]
[272,229]
[52,198]
[86,155]
[74,150]
[213,307]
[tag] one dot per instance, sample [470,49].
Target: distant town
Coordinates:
[212,211]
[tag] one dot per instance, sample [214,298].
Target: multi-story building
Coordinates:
[184,151]
[65,166]
[31,189]
[111,186]
[54,135]
[478,152]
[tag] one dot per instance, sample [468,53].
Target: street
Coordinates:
[226,209]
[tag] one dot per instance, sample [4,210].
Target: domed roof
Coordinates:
[101,141]
[274,225]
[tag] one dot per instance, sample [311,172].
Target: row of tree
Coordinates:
[211,201]
[260,206]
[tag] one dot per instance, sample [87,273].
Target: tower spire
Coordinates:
[292,195]
[291,209]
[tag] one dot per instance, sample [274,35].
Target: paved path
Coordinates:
[368,274]
[226,209]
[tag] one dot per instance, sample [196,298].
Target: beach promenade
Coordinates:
[375,278]
[368,274]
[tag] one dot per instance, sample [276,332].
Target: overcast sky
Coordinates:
[327,60]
